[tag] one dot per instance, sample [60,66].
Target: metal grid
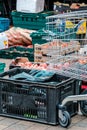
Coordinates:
[74,66]
[67,26]
[66,52]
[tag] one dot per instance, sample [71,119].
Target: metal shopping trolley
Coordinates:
[68,25]
[64,58]
[74,66]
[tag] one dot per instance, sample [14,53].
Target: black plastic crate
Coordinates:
[35,101]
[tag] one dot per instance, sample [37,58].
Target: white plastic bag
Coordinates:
[30,6]
[3,41]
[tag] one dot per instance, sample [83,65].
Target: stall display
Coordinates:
[48,72]
[16,42]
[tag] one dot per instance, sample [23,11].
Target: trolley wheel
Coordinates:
[83,105]
[65,122]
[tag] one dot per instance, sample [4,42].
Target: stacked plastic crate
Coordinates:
[34,21]
[17,51]
[30,14]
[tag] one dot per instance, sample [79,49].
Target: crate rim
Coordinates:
[37,84]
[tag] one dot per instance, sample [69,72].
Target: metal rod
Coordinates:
[74,98]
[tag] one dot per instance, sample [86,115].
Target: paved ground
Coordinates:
[79,122]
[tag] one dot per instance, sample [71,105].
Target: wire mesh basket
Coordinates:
[67,26]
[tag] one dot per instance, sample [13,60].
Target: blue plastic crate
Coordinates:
[4,24]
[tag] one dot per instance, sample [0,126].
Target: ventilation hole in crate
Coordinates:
[22,18]
[26,19]
[31,19]
[36,19]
